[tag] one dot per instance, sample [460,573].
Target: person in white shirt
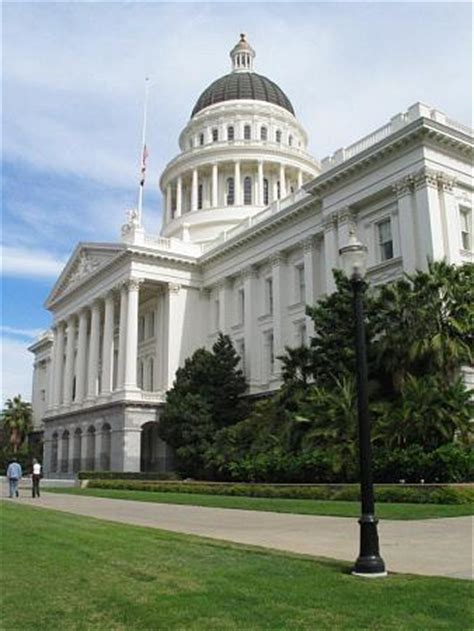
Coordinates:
[36,478]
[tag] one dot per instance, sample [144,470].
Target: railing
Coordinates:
[175,245]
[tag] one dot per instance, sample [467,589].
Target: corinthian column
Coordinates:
[94,342]
[130,381]
[69,367]
[58,371]
[215,180]
[260,183]
[122,336]
[81,357]
[108,344]
[237,184]
[282,181]
[179,196]
[194,190]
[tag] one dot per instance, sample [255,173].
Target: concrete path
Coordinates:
[437,547]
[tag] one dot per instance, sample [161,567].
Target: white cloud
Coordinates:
[29,333]
[29,263]
[17,370]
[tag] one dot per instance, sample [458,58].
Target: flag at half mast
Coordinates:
[143,167]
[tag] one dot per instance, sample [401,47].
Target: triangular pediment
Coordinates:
[86,261]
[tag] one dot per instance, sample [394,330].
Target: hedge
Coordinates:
[420,494]
[129,475]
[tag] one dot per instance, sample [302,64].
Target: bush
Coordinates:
[127,475]
[419,494]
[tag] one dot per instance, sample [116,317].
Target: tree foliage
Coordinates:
[17,421]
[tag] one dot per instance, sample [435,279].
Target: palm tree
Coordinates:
[17,419]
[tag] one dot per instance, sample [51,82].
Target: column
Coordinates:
[215,180]
[225,306]
[260,183]
[69,366]
[58,370]
[173,324]
[407,224]
[194,190]
[122,336]
[309,280]
[282,181]
[331,254]
[451,220]
[237,184]
[130,374]
[251,344]
[179,196]
[81,356]
[108,344]
[300,178]
[280,302]
[84,440]
[168,203]
[94,342]
[431,243]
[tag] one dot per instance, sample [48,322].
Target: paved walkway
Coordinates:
[437,547]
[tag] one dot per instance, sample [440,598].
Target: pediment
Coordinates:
[86,261]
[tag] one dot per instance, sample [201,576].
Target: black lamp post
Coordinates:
[369,562]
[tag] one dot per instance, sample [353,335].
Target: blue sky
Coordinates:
[73,76]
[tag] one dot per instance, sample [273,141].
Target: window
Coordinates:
[151,369]
[269,296]
[385,240]
[466,223]
[140,374]
[278,190]
[141,329]
[263,133]
[200,190]
[247,191]
[215,134]
[241,306]
[265,191]
[278,135]
[201,139]
[247,132]
[151,324]
[301,334]
[290,140]
[230,191]
[269,353]
[217,314]
[240,347]
[230,133]
[300,284]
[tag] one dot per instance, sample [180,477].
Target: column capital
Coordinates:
[346,215]
[330,221]
[277,259]
[426,178]
[133,284]
[308,243]
[249,272]
[174,288]
[403,187]
[447,182]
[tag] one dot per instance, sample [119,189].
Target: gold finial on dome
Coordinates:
[242,56]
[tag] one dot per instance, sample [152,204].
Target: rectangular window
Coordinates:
[141,329]
[269,353]
[300,284]
[269,296]
[301,334]
[240,346]
[215,134]
[385,240]
[466,228]
[200,192]
[151,324]
[241,306]
[217,314]
[247,132]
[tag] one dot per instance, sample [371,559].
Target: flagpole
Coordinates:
[143,157]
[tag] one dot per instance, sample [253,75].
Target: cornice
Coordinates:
[422,129]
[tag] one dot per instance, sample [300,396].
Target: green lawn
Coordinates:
[303,507]
[62,571]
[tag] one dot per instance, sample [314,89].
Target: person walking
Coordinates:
[36,477]
[14,474]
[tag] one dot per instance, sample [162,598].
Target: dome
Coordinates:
[243,85]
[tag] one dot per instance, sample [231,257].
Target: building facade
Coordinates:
[252,228]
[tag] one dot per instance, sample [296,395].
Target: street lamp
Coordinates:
[369,562]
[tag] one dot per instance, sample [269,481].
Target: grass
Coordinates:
[303,507]
[72,573]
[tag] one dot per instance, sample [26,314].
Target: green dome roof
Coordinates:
[243,85]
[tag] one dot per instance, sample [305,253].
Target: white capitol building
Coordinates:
[251,230]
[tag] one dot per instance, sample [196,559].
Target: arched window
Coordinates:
[247,132]
[278,135]
[248,190]
[200,197]
[105,447]
[65,452]
[90,449]
[77,450]
[201,139]
[230,132]
[290,140]
[263,133]
[230,191]
[54,453]
[265,191]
